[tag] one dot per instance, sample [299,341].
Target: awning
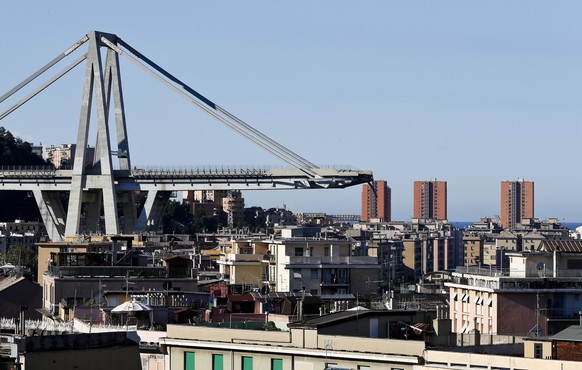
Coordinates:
[419,328]
[132,306]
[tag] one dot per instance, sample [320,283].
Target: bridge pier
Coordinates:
[150,218]
[52,213]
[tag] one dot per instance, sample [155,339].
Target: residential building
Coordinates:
[213,202]
[542,287]
[486,243]
[83,271]
[377,202]
[200,347]
[390,256]
[63,156]
[430,200]
[17,291]
[20,233]
[482,358]
[563,346]
[233,204]
[113,350]
[517,202]
[319,265]
[429,246]
[423,246]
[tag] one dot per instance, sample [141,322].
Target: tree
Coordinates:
[204,223]
[20,255]
[15,151]
[177,218]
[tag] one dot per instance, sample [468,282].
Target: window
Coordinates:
[298,252]
[314,274]
[538,350]
[217,362]
[363,367]
[247,363]
[276,364]
[326,251]
[189,361]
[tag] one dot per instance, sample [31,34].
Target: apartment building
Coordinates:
[73,272]
[319,265]
[213,202]
[62,156]
[486,242]
[377,202]
[517,202]
[542,287]
[197,347]
[20,233]
[430,200]
[426,245]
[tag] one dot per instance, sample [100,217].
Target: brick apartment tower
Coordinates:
[379,204]
[517,202]
[430,200]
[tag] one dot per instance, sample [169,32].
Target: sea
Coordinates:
[464,224]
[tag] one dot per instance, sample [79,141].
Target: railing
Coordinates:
[328,260]
[482,270]
[334,282]
[235,257]
[27,171]
[107,271]
[496,272]
[200,171]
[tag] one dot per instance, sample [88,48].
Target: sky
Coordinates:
[472,93]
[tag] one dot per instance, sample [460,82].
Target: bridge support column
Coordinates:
[150,218]
[52,213]
[127,201]
[92,201]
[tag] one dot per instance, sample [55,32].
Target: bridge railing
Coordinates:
[27,171]
[198,171]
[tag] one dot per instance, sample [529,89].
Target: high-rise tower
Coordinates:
[517,202]
[430,200]
[377,202]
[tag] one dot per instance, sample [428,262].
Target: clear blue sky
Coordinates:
[468,92]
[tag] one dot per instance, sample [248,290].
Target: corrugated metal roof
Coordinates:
[572,333]
[571,246]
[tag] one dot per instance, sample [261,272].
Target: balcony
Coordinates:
[107,271]
[233,258]
[334,282]
[266,279]
[331,260]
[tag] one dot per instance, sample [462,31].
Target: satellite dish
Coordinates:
[541,266]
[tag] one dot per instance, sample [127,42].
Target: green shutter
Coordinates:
[217,362]
[189,361]
[276,364]
[247,363]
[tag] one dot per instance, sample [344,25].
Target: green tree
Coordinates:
[15,151]
[177,219]
[20,255]
[204,223]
